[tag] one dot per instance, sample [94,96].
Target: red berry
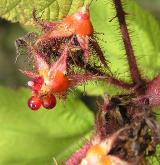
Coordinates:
[34,103]
[78,23]
[49,101]
[61,82]
[83,25]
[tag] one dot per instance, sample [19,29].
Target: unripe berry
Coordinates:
[82,24]
[60,83]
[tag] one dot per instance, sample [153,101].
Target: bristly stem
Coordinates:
[99,52]
[109,78]
[78,155]
[134,71]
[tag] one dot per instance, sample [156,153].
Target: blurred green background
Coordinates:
[9,32]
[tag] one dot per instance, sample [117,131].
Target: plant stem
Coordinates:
[134,71]
[99,52]
[110,79]
[78,155]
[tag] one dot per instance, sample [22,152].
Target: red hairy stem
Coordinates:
[45,25]
[111,80]
[105,76]
[135,73]
[120,83]
[99,52]
[78,155]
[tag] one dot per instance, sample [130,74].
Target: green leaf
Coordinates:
[29,138]
[99,89]
[155,159]
[144,31]
[21,10]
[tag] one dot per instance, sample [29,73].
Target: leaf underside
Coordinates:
[21,10]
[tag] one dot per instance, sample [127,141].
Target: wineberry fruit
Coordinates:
[80,23]
[60,83]
[49,101]
[34,103]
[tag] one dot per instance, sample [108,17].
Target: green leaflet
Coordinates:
[21,10]
[101,13]
[145,36]
[154,160]
[99,88]
[29,138]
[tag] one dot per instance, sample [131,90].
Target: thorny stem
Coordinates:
[109,78]
[99,52]
[79,155]
[120,83]
[135,73]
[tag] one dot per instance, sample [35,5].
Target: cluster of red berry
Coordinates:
[52,78]
[48,102]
